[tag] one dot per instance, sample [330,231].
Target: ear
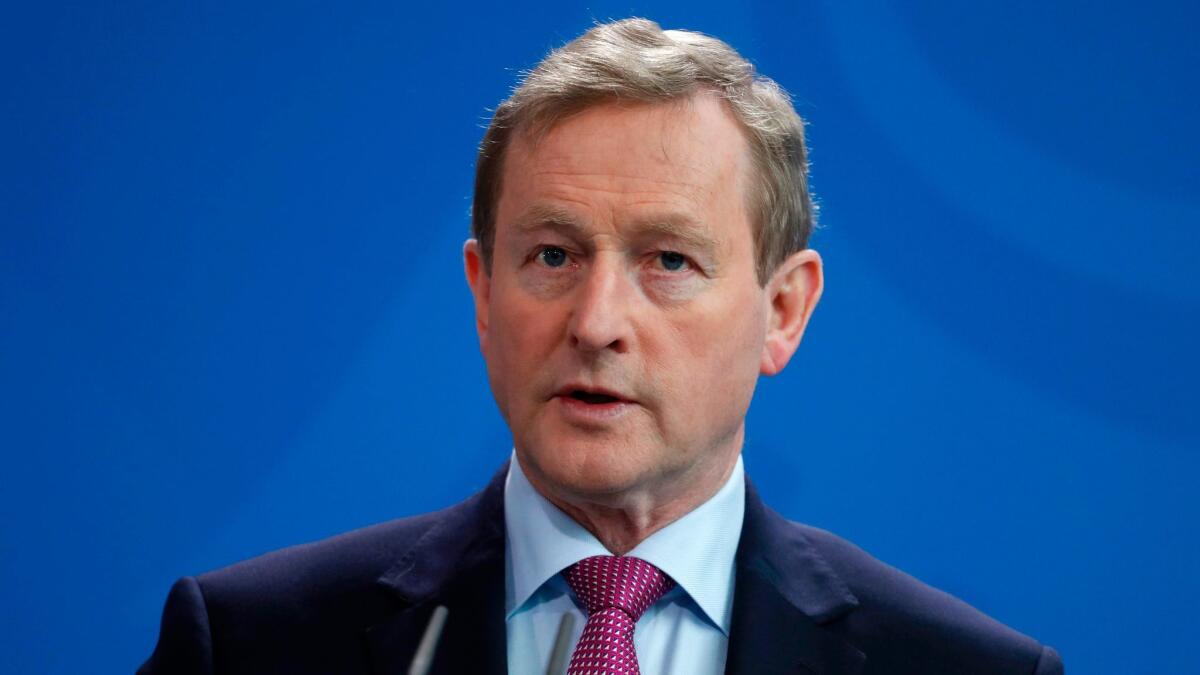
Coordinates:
[481,287]
[793,291]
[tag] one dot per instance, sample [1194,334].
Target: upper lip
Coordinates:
[572,387]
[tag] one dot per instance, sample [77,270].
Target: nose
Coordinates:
[600,319]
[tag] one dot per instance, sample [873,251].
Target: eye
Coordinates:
[553,256]
[672,261]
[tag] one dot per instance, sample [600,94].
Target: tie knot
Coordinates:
[607,581]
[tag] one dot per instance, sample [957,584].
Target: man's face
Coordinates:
[622,322]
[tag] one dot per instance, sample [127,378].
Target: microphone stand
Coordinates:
[423,659]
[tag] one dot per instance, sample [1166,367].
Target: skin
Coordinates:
[624,262]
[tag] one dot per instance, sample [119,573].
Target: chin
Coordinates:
[590,467]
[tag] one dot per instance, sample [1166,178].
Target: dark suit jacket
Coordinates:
[805,602]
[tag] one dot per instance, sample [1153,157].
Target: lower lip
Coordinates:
[592,412]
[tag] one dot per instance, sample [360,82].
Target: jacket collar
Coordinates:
[457,562]
[786,594]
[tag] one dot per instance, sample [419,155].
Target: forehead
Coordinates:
[687,156]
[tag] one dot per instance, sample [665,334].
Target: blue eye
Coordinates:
[672,261]
[553,256]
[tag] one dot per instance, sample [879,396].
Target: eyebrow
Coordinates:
[671,225]
[543,215]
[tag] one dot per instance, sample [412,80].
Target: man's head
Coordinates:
[625,299]
[635,60]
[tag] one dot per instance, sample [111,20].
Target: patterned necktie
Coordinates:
[616,591]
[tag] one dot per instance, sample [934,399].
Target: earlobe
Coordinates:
[793,292]
[481,285]
[772,358]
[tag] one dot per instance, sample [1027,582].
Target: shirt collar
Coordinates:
[697,550]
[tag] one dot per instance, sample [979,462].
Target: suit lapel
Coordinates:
[472,641]
[785,594]
[458,562]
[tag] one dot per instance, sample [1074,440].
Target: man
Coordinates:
[639,257]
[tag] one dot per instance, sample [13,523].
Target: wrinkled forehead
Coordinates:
[699,129]
[690,150]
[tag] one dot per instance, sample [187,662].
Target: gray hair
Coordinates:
[635,59]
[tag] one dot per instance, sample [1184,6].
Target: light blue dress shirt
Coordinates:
[684,633]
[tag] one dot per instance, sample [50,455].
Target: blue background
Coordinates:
[232,316]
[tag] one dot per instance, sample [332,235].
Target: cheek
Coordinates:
[720,358]
[729,329]
[669,290]
[522,333]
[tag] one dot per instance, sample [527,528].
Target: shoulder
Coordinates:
[292,610]
[306,608]
[914,627]
[359,556]
[349,568]
[331,579]
[284,611]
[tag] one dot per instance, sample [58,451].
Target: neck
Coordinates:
[621,522]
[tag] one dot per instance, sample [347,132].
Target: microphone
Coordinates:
[562,645]
[423,659]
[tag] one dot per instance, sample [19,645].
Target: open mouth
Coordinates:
[589,405]
[588,397]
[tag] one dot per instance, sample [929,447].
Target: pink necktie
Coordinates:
[616,591]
